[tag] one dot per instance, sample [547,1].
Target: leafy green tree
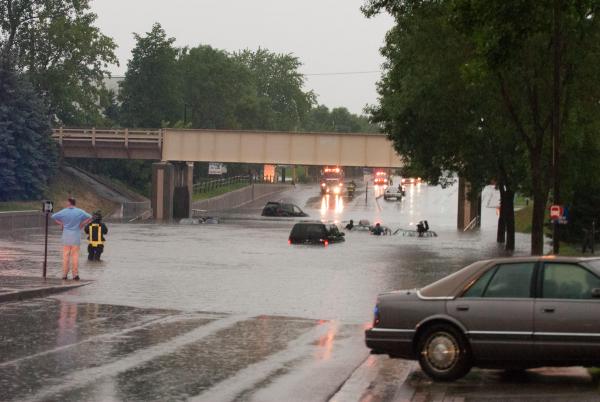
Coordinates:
[219,91]
[282,103]
[434,106]
[321,119]
[62,53]
[27,152]
[151,91]
[509,48]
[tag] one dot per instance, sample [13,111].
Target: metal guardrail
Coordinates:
[211,184]
[473,224]
[93,135]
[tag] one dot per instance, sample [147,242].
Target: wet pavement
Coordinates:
[232,312]
[27,287]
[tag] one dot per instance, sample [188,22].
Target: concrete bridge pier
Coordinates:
[469,207]
[172,190]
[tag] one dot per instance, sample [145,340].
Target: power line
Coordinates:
[312,74]
[346,73]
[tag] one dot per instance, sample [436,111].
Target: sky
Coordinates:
[328,36]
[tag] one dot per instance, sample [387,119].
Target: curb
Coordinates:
[37,292]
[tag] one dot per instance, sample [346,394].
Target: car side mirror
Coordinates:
[596,292]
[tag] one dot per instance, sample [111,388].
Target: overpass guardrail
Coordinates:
[93,135]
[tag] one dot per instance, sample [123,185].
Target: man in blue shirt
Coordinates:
[72,219]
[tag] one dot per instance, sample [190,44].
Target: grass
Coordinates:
[62,186]
[523,225]
[19,206]
[218,191]
[521,200]
[523,219]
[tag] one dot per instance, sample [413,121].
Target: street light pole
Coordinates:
[556,121]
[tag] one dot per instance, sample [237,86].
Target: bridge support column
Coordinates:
[163,186]
[172,190]
[469,206]
[184,190]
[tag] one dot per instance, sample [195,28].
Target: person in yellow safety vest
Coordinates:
[95,231]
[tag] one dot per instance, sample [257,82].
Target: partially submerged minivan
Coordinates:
[315,233]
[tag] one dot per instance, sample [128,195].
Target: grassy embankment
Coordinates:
[218,191]
[60,188]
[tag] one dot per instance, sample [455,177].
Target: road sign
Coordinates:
[216,168]
[556,212]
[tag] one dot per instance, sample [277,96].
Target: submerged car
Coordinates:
[395,193]
[315,233]
[512,313]
[410,180]
[282,209]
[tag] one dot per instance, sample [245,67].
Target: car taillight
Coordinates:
[289,241]
[376,318]
[326,243]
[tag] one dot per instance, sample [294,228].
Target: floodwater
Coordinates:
[244,265]
[227,311]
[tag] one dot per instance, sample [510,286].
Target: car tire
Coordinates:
[444,353]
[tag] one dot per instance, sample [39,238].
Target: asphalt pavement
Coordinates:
[231,312]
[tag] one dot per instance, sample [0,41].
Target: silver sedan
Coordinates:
[507,313]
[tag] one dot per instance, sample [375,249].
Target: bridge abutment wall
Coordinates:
[469,207]
[240,197]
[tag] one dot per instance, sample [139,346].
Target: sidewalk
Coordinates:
[26,287]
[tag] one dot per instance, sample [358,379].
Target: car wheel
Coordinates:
[444,353]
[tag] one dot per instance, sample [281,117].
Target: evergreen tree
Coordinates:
[27,151]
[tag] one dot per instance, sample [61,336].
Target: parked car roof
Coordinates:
[451,285]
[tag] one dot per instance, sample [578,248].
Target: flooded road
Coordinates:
[229,311]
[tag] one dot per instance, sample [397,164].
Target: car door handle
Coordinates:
[462,308]
[548,309]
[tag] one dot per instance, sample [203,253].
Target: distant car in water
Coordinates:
[512,313]
[410,180]
[282,209]
[394,193]
[315,233]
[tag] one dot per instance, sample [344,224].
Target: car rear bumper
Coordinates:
[394,342]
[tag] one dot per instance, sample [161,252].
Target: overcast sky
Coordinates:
[329,36]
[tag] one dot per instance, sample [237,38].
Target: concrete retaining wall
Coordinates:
[239,197]
[10,221]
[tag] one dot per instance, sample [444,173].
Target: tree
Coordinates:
[433,104]
[27,152]
[218,90]
[61,52]
[321,119]
[509,47]
[151,91]
[282,102]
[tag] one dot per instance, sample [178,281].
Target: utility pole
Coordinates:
[556,120]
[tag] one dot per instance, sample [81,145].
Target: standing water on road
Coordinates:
[229,311]
[245,265]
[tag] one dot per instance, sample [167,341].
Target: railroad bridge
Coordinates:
[176,150]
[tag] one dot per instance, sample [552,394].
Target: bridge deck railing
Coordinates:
[94,135]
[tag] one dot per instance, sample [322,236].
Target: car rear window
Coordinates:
[315,231]
[594,265]
[450,285]
[298,231]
